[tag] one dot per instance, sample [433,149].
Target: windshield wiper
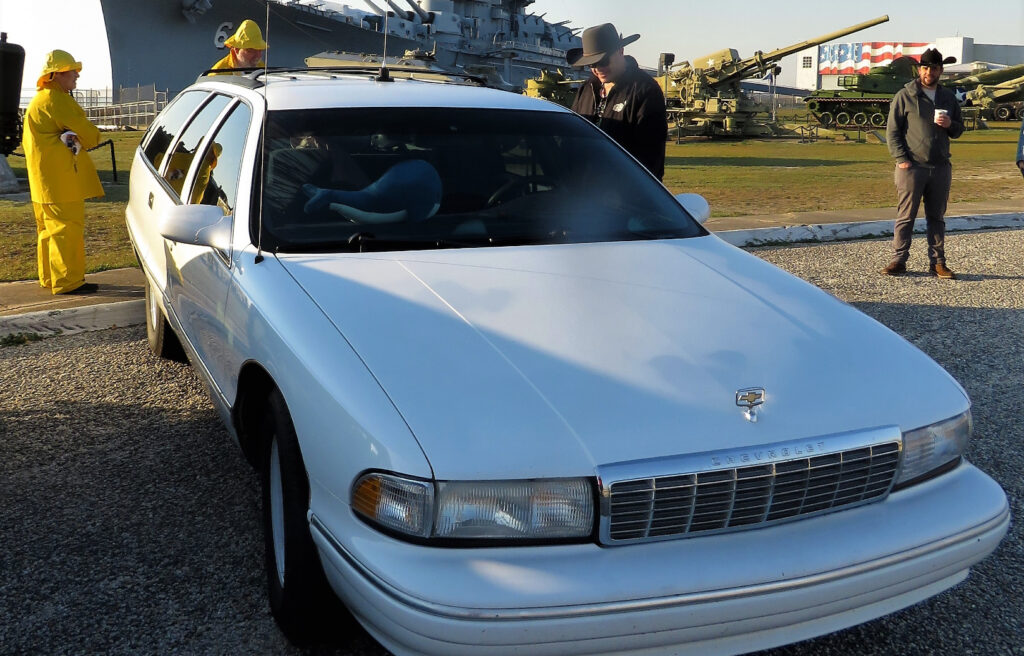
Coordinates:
[367,241]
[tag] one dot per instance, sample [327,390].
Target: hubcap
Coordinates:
[277,510]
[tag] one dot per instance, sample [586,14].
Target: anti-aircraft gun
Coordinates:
[705,98]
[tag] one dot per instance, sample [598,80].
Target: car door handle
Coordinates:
[150,202]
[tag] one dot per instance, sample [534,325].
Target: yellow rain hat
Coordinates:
[57,61]
[247,35]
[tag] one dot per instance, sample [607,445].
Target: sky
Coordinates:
[688,28]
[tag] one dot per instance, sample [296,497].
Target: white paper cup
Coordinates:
[940,112]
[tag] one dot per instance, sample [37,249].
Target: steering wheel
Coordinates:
[517,187]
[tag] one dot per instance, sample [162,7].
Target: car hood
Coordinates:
[523,362]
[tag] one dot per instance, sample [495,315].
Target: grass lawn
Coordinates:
[783,175]
[106,237]
[737,178]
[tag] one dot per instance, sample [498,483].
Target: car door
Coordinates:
[198,276]
[149,192]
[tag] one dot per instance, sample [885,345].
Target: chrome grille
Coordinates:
[734,498]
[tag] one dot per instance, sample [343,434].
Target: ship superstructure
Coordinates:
[169,42]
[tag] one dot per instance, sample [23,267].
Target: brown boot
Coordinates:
[939,269]
[894,268]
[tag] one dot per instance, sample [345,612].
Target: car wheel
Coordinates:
[300,597]
[162,340]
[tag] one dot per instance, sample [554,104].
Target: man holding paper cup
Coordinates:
[923,118]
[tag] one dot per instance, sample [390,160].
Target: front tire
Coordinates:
[162,340]
[300,597]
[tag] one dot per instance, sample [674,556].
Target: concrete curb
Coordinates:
[76,320]
[861,230]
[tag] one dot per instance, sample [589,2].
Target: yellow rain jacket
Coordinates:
[247,35]
[55,174]
[230,62]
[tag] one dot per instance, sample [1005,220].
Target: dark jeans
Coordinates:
[912,186]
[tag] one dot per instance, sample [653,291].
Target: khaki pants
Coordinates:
[60,245]
[912,186]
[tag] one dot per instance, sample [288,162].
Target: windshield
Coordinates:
[414,178]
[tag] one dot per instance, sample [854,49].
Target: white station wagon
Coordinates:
[507,395]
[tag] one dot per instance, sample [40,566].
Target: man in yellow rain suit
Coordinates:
[61,174]
[246,47]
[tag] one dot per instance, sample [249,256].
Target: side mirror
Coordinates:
[696,205]
[199,225]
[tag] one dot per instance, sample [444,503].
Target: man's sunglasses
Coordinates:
[601,64]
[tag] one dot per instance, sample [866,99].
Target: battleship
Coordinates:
[168,43]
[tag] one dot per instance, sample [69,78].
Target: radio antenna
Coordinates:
[263,135]
[384,76]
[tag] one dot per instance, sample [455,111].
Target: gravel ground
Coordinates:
[130,520]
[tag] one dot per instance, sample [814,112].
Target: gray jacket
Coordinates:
[911,131]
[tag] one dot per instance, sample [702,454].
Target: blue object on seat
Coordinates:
[408,191]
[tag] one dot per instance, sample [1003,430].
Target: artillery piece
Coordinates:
[999,93]
[705,98]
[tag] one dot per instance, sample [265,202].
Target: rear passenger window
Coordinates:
[188,144]
[169,124]
[216,181]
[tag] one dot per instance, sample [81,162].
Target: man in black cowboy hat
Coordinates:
[923,117]
[621,99]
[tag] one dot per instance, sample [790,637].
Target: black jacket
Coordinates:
[634,115]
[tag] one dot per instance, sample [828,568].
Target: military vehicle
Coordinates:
[705,98]
[1002,100]
[863,100]
[554,86]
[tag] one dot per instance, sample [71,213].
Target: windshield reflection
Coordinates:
[415,178]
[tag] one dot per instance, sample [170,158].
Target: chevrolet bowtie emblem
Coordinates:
[750,398]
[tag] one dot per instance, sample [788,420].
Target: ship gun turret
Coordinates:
[705,97]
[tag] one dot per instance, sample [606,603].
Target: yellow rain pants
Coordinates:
[61,245]
[59,182]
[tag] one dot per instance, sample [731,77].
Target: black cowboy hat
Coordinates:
[932,57]
[598,43]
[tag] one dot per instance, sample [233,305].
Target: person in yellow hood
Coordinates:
[61,175]
[246,47]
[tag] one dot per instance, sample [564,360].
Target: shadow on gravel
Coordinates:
[131,529]
[987,608]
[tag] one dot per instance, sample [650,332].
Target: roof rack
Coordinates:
[254,78]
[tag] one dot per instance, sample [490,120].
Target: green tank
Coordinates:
[863,100]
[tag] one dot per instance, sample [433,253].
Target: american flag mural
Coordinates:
[849,58]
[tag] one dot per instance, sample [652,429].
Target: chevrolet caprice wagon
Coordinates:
[507,395]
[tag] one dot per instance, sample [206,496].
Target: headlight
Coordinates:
[543,509]
[928,448]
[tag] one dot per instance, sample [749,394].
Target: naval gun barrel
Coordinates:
[424,16]
[374,8]
[404,14]
[761,61]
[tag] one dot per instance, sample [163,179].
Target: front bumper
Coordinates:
[718,594]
